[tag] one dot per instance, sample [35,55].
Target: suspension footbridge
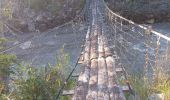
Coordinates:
[113,42]
[111,45]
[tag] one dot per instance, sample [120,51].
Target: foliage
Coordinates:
[31,83]
[6,9]
[6,61]
[1,28]
[140,86]
[2,41]
[6,12]
[145,86]
[161,82]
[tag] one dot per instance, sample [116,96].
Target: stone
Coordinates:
[157,96]
[15,43]
[81,28]
[151,21]
[31,26]
[42,27]
[22,26]
[26,45]
[39,19]
[132,97]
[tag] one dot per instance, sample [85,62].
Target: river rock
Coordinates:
[31,26]
[157,96]
[151,21]
[132,97]
[25,45]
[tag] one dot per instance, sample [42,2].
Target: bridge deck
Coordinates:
[98,79]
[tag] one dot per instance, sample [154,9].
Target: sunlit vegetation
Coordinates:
[6,10]
[159,83]
[5,62]
[31,83]
[2,41]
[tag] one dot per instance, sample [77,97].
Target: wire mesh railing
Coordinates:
[138,46]
[143,52]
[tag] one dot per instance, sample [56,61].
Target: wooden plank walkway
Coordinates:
[98,80]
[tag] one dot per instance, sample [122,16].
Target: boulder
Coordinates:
[157,96]
[151,21]
[132,97]
[42,27]
[31,26]
[22,26]
[26,45]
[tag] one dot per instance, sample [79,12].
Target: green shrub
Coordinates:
[140,86]
[2,41]
[145,86]
[43,83]
[6,61]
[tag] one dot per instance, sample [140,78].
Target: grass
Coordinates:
[37,83]
[145,86]
[140,86]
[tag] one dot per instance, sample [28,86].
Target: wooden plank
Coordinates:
[76,75]
[92,91]
[94,53]
[107,50]
[125,88]
[82,84]
[71,92]
[100,47]
[103,93]
[81,60]
[119,70]
[111,76]
[68,92]
[114,90]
